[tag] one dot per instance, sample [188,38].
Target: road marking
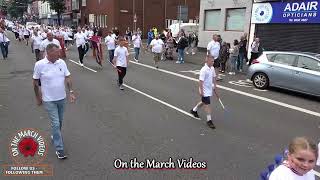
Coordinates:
[83,66]
[162,102]
[237,91]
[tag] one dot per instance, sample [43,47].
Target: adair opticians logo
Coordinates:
[262,13]
[28,146]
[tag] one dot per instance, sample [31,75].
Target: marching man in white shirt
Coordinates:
[207,84]
[36,43]
[46,42]
[81,44]
[121,61]
[111,45]
[157,47]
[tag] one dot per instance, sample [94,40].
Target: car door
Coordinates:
[307,75]
[281,68]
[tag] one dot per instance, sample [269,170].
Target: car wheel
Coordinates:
[260,80]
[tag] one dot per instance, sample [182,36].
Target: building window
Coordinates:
[235,19]
[212,20]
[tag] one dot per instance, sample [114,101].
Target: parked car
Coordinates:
[295,71]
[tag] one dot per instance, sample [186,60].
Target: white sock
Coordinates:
[195,108]
[208,117]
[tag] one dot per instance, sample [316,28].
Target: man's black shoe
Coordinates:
[194,113]
[60,154]
[210,124]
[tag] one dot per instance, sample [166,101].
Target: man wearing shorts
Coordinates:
[157,47]
[207,84]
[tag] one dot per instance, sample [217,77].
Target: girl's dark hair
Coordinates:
[235,42]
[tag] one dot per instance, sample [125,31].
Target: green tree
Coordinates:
[18,7]
[58,6]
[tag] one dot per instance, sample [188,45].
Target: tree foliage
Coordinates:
[58,6]
[16,8]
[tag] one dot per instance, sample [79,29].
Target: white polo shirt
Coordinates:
[157,45]
[110,42]
[46,42]
[121,54]
[37,40]
[214,48]
[80,39]
[318,161]
[52,77]
[206,75]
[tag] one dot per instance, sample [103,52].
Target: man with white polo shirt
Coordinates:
[213,49]
[207,84]
[46,42]
[121,61]
[157,47]
[36,43]
[52,72]
[111,45]
[81,44]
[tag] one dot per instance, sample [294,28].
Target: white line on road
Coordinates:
[238,92]
[83,66]
[162,102]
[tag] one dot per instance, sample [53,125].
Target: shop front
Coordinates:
[287,26]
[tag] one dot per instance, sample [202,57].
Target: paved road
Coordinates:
[106,123]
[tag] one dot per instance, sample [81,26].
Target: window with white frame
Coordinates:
[212,20]
[235,19]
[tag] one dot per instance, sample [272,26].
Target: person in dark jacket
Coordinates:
[224,56]
[242,53]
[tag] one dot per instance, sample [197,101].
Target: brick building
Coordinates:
[120,13]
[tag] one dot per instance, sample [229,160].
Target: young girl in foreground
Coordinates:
[302,158]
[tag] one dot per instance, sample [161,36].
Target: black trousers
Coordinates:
[121,74]
[37,52]
[253,57]
[81,51]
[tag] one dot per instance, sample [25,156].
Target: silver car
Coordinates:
[289,70]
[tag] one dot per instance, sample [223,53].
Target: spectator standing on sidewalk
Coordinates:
[137,44]
[157,47]
[4,43]
[224,56]
[52,72]
[207,84]
[234,53]
[192,38]
[121,61]
[242,53]
[255,50]
[213,49]
[182,43]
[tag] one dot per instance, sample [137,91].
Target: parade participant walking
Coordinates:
[207,84]
[52,72]
[137,44]
[121,61]
[46,42]
[26,35]
[111,45]
[157,47]
[4,43]
[36,43]
[301,160]
[87,46]
[81,45]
